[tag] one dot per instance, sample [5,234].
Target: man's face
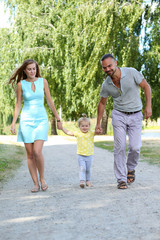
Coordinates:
[109,66]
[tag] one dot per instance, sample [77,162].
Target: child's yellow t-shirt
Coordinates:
[85,143]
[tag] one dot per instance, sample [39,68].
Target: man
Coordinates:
[123,85]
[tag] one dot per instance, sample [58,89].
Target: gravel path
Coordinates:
[67,212]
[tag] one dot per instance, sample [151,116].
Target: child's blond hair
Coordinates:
[83,118]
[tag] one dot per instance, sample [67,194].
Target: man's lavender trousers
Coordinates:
[123,124]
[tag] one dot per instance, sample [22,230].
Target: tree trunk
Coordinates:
[1,124]
[53,126]
[104,122]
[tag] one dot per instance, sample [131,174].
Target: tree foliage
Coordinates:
[67,39]
[7,64]
[151,55]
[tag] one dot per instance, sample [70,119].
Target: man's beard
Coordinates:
[111,73]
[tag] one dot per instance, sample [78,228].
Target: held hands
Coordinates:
[13,129]
[98,129]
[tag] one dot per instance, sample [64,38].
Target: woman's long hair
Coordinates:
[19,73]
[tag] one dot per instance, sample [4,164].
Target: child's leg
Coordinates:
[82,168]
[88,167]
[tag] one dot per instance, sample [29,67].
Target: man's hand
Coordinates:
[101,107]
[147,112]
[147,90]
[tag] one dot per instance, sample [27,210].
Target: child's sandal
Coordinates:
[89,184]
[82,184]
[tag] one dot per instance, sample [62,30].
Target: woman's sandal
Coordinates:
[131,176]
[35,189]
[44,187]
[122,185]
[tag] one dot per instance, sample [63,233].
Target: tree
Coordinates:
[68,38]
[99,27]
[39,44]
[151,55]
[8,54]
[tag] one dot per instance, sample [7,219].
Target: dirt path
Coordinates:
[66,212]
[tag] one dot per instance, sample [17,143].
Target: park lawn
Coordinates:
[150,150]
[11,157]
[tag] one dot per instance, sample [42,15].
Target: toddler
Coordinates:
[85,149]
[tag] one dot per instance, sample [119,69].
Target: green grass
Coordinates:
[70,125]
[73,126]
[10,159]
[151,128]
[150,150]
[109,145]
[7,131]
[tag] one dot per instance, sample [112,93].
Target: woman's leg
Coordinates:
[31,163]
[37,152]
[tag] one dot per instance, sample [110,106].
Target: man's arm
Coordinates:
[147,90]
[100,111]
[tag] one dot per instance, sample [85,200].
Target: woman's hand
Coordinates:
[59,125]
[13,129]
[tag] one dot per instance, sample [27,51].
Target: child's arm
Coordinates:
[67,132]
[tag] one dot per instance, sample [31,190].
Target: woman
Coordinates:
[33,127]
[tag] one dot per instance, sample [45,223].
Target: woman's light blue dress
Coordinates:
[33,119]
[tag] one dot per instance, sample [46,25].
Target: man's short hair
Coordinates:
[107,56]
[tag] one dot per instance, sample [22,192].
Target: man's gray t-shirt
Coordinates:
[127,97]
